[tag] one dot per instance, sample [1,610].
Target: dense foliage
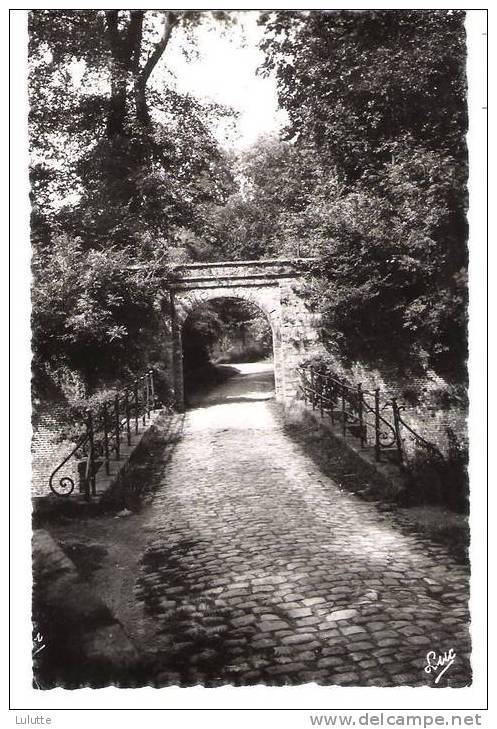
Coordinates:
[377,98]
[265,217]
[122,172]
[369,179]
[222,331]
[92,309]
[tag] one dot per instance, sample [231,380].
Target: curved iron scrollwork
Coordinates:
[105,429]
[384,429]
[66,484]
[388,439]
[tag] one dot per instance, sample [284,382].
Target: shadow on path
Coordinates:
[244,382]
[252,566]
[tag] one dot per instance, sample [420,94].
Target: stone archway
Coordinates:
[188,305]
[272,286]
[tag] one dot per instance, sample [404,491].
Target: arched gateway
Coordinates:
[274,286]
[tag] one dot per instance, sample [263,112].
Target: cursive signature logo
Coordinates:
[38,644]
[441,662]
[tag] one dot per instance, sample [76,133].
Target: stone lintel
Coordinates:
[265,262]
[241,277]
[239,270]
[213,282]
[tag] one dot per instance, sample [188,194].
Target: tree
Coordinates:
[119,155]
[359,83]
[266,216]
[392,277]
[94,314]
[380,97]
[121,168]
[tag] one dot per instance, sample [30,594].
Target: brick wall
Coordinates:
[49,447]
[434,408]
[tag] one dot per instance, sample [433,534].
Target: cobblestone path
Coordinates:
[260,569]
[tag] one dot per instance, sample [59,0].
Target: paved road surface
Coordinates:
[258,568]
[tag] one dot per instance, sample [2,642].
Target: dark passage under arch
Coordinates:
[275,286]
[223,338]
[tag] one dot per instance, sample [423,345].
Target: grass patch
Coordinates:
[335,459]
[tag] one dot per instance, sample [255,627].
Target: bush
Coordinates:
[432,480]
[93,313]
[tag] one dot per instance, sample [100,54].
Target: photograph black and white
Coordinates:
[249,318]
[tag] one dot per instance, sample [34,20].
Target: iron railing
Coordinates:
[104,430]
[365,414]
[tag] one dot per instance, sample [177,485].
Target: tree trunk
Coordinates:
[125,48]
[141,78]
[125,73]
[116,117]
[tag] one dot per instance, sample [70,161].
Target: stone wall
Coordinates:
[272,286]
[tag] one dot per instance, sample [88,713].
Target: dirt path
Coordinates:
[251,566]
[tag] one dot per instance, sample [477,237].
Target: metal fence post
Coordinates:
[344,414]
[126,410]
[321,391]
[135,388]
[117,427]
[396,422]
[152,388]
[90,474]
[313,394]
[330,392]
[105,415]
[149,392]
[360,413]
[145,394]
[377,444]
